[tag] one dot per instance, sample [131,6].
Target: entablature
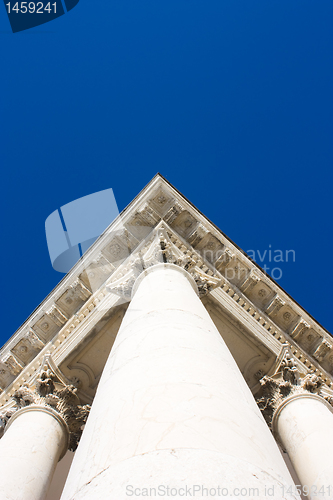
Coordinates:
[81,300]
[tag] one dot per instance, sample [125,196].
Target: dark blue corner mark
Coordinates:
[70,4]
[26,15]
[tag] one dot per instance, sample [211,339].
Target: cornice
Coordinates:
[63,342]
[63,318]
[261,325]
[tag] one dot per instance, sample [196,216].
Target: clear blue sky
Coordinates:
[230,100]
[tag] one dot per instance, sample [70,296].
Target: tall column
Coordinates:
[172,408]
[298,410]
[42,422]
[35,439]
[304,424]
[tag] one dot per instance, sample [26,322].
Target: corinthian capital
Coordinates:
[48,391]
[162,246]
[285,383]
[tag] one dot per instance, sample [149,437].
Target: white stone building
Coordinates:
[205,379]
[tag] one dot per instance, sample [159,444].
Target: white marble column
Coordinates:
[35,439]
[172,408]
[304,424]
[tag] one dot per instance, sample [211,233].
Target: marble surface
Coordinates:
[30,450]
[305,427]
[171,386]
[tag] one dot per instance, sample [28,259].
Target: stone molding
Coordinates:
[74,301]
[265,321]
[286,384]
[159,248]
[50,393]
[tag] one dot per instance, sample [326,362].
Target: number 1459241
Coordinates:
[32,7]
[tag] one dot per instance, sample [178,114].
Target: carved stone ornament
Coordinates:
[161,246]
[287,382]
[47,390]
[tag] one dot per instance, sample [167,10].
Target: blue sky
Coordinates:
[230,100]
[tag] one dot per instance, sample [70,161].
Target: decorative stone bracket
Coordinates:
[47,390]
[157,249]
[287,382]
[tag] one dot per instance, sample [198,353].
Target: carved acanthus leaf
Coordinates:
[49,391]
[286,382]
[157,249]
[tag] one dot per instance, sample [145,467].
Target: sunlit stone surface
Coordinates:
[198,367]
